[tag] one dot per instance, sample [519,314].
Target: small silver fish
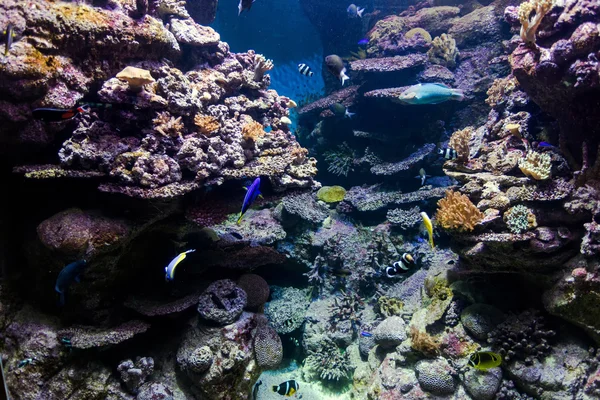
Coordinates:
[355,11]
[422,176]
[245,5]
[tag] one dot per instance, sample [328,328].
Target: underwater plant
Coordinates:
[423,342]
[457,212]
[340,161]
[167,125]
[346,308]
[206,124]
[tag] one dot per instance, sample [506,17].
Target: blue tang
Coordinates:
[430,93]
[170,269]
[252,193]
[67,276]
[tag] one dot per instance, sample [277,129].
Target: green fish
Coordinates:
[430,93]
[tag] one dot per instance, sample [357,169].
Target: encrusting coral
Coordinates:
[418,31]
[457,212]
[529,22]
[536,165]
[443,51]
[331,194]
[459,141]
[500,89]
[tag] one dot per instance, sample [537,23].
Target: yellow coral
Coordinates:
[206,124]
[529,23]
[443,51]
[252,131]
[501,88]
[418,31]
[536,165]
[456,211]
[167,125]
[460,142]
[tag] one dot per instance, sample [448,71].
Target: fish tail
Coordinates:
[458,94]
[349,114]
[343,76]
[240,218]
[431,239]
[275,388]
[360,11]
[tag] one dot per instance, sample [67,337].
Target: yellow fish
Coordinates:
[484,360]
[429,227]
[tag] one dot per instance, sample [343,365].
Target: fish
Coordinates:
[305,70]
[423,176]
[255,390]
[10,35]
[354,11]
[170,269]
[5,394]
[59,114]
[449,153]
[340,110]
[66,277]
[400,267]
[484,360]
[429,227]
[430,93]
[335,65]
[287,388]
[545,144]
[252,193]
[366,334]
[245,5]
[363,42]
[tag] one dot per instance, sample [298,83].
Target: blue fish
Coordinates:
[67,276]
[252,193]
[366,334]
[545,144]
[170,269]
[430,93]
[363,42]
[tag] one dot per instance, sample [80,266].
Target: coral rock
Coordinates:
[201,359]
[135,374]
[222,302]
[391,332]
[436,376]
[256,288]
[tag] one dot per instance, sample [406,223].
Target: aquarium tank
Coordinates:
[300,199]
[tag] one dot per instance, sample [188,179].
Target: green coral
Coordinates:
[443,51]
[331,194]
[390,306]
[519,218]
[418,31]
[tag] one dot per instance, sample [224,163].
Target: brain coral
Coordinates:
[536,165]
[435,376]
[268,349]
[456,211]
[391,332]
[256,288]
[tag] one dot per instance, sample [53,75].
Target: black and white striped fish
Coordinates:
[448,153]
[305,70]
[400,267]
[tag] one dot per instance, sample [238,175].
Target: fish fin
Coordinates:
[458,94]
[343,76]
[240,8]
[275,388]
[349,114]
[246,188]
[441,85]
[260,196]
[240,218]
[359,12]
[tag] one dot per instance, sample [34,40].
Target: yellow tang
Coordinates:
[484,360]
[429,226]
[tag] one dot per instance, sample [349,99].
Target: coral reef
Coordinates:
[443,51]
[457,212]
[436,376]
[256,289]
[519,219]
[405,219]
[531,13]
[268,349]
[287,309]
[222,302]
[135,374]
[537,166]
[459,141]
[390,332]
[329,362]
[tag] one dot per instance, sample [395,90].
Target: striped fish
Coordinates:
[305,70]
[448,153]
[287,388]
[170,269]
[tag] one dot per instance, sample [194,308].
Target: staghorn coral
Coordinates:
[206,124]
[443,51]
[457,212]
[167,125]
[329,362]
[261,65]
[252,131]
[341,161]
[459,141]
[418,31]
[529,22]
[423,342]
[519,219]
[536,165]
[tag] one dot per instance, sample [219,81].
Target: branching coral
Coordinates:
[346,308]
[460,142]
[341,160]
[536,165]
[206,124]
[261,65]
[252,130]
[443,51]
[519,218]
[167,125]
[423,342]
[329,362]
[530,23]
[456,211]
